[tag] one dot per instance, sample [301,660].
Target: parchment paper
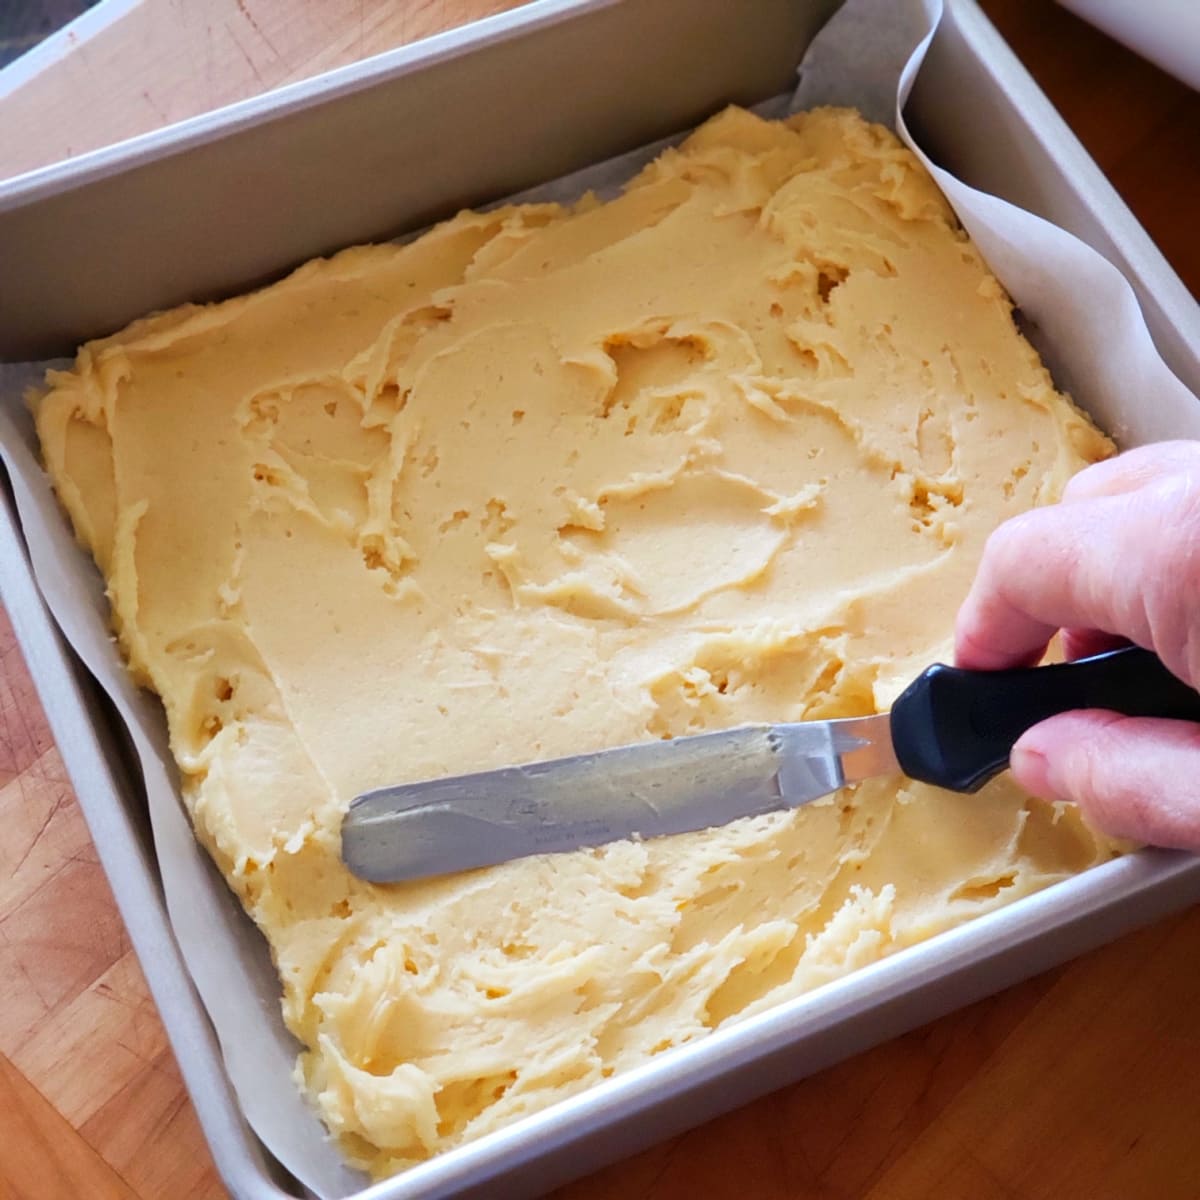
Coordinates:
[1099,349]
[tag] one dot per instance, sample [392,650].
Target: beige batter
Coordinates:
[548,479]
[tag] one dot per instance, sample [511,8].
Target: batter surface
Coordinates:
[549,479]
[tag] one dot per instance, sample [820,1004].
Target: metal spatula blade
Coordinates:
[645,790]
[951,727]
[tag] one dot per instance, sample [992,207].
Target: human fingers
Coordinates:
[1126,565]
[1132,777]
[1132,469]
[1114,476]
[1083,643]
[1042,571]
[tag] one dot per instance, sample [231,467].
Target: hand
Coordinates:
[1118,560]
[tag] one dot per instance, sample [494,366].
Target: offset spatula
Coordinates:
[951,727]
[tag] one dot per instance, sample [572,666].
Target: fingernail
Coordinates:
[1031,769]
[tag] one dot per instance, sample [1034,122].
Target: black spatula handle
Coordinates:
[956,728]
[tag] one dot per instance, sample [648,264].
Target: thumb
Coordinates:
[1133,777]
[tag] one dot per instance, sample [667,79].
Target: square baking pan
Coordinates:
[235,198]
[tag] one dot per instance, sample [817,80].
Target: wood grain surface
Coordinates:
[1083,1082]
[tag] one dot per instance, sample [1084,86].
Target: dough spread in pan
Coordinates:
[548,479]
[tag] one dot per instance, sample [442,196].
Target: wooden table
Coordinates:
[1083,1082]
